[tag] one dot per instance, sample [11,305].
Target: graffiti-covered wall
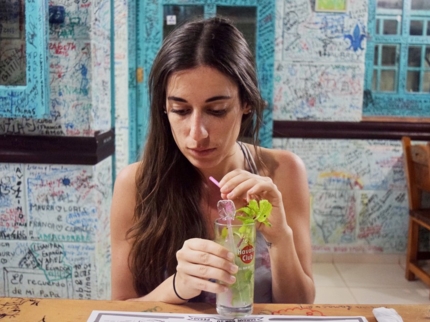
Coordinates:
[358,188]
[319,62]
[54,219]
[123,10]
[358,194]
[54,230]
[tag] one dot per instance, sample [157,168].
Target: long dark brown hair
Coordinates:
[169,187]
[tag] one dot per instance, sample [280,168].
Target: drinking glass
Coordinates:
[239,238]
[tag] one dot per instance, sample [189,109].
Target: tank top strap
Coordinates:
[248,157]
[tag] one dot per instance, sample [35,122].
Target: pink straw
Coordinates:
[214,181]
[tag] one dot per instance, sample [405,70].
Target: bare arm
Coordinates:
[291,255]
[121,219]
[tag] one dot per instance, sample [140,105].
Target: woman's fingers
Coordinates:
[188,281]
[202,261]
[206,265]
[240,184]
[208,273]
[202,247]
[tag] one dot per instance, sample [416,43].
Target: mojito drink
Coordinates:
[239,238]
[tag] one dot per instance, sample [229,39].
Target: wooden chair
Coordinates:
[417,165]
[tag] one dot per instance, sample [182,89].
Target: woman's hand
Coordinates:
[200,260]
[241,186]
[287,190]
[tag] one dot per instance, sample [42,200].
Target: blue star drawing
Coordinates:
[356,39]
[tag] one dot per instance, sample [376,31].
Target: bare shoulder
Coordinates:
[121,221]
[127,176]
[282,164]
[124,194]
[288,172]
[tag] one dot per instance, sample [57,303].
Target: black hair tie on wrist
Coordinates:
[174,288]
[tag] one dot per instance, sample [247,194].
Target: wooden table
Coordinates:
[60,310]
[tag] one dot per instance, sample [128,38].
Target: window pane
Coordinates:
[390,4]
[12,43]
[416,28]
[375,80]
[390,27]
[414,56]
[426,82]
[427,57]
[420,4]
[244,18]
[388,81]
[389,55]
[376,56]
[413,81]
[428,28]
[175,15]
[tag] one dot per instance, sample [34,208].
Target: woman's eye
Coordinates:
[179,111]
[218,112]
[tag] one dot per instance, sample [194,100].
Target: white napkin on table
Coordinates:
[382,314]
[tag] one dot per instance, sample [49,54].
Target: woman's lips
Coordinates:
[201,152]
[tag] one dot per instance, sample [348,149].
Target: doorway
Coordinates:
[155,19]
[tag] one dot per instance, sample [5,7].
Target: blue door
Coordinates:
[155,19]
[24,89]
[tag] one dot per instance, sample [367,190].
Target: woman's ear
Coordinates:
[247,109]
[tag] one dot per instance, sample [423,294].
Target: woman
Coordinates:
[204,96]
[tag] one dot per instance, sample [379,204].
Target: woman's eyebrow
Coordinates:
[177,99]
[211,99]
[217,98]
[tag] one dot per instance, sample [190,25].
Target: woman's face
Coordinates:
[205,114]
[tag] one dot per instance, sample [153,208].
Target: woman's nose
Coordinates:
[198,130]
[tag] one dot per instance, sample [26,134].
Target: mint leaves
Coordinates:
[255,211]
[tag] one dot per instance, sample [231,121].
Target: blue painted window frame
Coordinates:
[149,32]
[379,67]
[401,102]
[422,69]
[31,99]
